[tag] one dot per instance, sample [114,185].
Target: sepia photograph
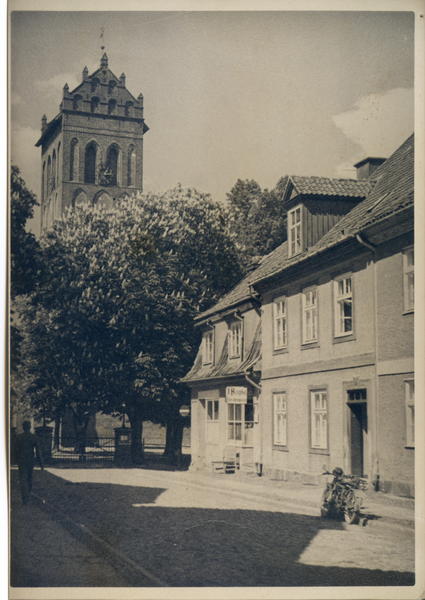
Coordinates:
[213,216]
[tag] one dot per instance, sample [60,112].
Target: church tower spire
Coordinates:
[93,149]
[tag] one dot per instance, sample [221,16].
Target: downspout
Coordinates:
[369,246]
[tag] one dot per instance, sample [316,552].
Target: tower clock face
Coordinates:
[93,149]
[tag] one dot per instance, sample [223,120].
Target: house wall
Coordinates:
[298,460]
[395,366]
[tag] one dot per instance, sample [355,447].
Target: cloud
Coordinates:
[56,83]
[377,125]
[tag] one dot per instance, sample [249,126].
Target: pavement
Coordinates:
[55,541]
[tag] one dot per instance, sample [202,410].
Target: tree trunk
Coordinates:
[136,422]
[173,441]
[56,435]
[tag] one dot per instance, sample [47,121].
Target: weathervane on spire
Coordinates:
[102,30]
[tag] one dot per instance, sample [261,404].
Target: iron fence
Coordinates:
[102,449]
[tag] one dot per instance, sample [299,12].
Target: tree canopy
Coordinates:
[23,245]
[110,324]
[257,218]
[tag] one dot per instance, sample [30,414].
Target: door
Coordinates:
[357,430]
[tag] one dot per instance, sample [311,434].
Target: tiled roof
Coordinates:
[323,186]
[224,367]
[392,192]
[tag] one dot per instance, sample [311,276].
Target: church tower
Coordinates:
[93,149]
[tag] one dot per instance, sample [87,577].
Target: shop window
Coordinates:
[279,319]
[309,315]
[240,423]
[409,279]
[410,412]
[343,293]
[319,419]
[280,420]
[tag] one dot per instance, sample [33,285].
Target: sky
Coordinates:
[228,95]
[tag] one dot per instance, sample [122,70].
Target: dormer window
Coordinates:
[294,231]
[235,335]
[208,349]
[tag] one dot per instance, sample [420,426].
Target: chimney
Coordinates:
[367,166]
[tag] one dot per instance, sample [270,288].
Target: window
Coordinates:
[212,410]
[128,109]
[309,300]
[94,107]
[112,165]
[74,161]
[77,102]
[410,412]
[319,420]
[240,419]
[131,166]
[235,339]
[343,306]
[111,86]
[409,279]
[208,353]
[111,106]
[294,231]
[280,419]
[90,164]
[279,318]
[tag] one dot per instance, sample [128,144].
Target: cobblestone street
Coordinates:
[137,527]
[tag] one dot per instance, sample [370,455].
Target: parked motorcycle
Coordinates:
[343,495]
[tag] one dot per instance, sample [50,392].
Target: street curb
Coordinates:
[83,534]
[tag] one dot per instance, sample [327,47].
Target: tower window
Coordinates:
[74,161]
[111,86]
[94,83]
[94,104]
[131,166]
[112,165]
[111,106]
[128,109]
[90,164]
[77,102]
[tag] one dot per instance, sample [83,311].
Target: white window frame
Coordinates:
[213,411]
[208,347]
[343,296]
[319,419]
[295,231]
[235,339]
[236,416]
[280,333]
[409,391]
[409,278]
[310,321]
[280,419]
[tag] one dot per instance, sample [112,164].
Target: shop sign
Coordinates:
[237,395]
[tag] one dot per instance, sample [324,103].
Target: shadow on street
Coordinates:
[183,546]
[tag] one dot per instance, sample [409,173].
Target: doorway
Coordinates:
[357,430]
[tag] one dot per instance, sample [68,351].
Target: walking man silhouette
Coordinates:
[27,442]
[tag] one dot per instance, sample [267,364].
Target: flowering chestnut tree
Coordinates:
[110,325]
